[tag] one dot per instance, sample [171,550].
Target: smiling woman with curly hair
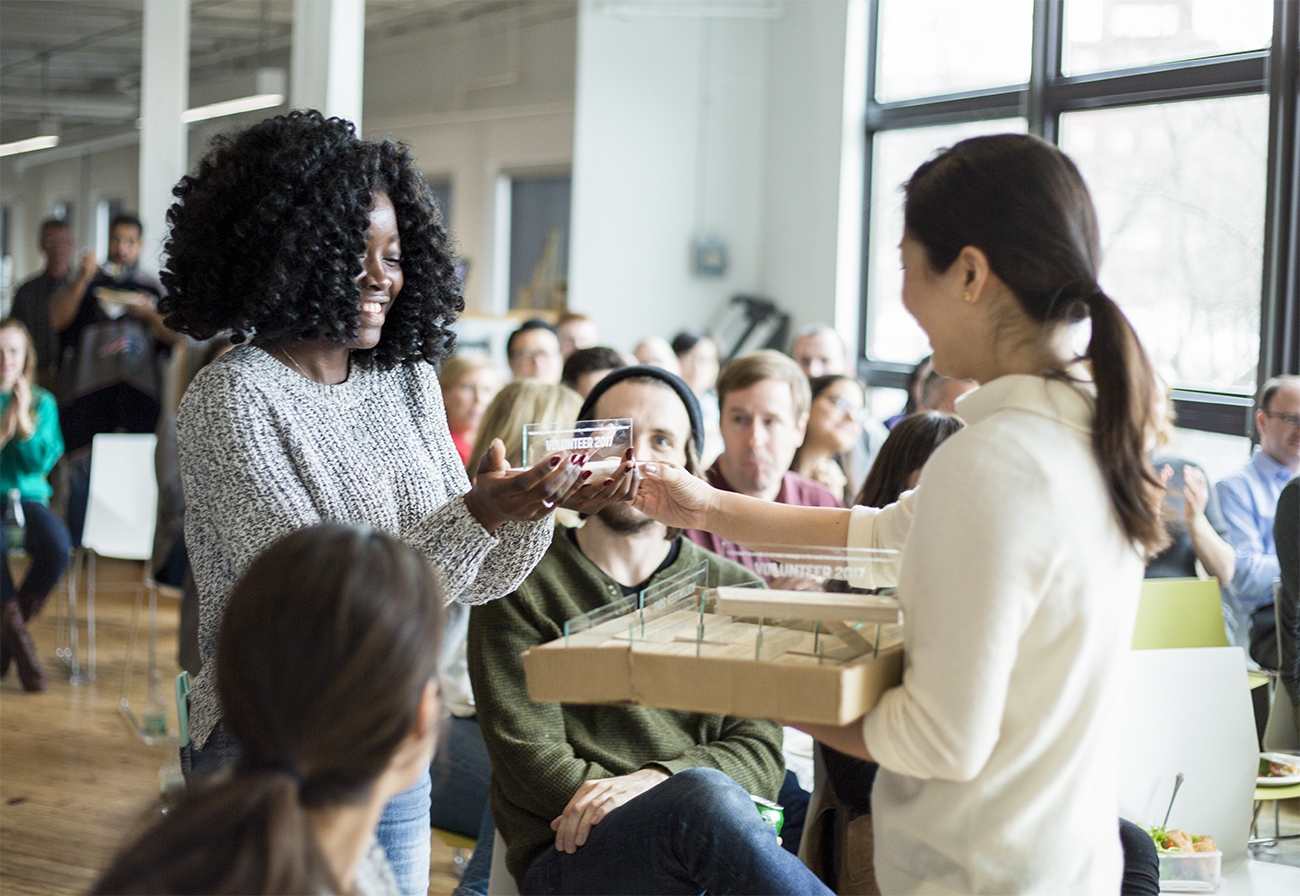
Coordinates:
[324,252]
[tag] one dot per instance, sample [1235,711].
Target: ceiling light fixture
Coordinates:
[232,107]
[28,145]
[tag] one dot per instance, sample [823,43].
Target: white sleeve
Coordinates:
[882,528]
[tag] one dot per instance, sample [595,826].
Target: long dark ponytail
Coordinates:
[325,650]
[1023,203]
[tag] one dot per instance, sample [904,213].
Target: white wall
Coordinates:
[802,172]
[770,180]
[638,172]
[496,94]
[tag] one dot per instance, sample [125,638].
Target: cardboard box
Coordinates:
[710,662]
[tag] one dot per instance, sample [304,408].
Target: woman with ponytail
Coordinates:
[327,670]
[1022,545]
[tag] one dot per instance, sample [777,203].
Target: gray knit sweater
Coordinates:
[265,451]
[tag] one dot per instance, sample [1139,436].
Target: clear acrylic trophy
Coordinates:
[604,442]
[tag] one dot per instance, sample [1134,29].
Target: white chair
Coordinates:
[500,881]
[1205,730]
[121,512]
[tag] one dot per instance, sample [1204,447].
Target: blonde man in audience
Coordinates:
[765,400]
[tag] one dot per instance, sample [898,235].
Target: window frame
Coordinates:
[1049,94]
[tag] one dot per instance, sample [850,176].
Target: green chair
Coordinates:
[1179,613]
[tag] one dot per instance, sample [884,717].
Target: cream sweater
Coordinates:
[1019,591]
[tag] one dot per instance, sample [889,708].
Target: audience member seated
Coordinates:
[30,445]
[533,351]
[915,380]
[1190,508]
[1248,498]
[469,382]
[697,355]
[602,799]
[819,351]
[576,331]
[765,399]
[113,342]
[334,719]
[656,352]
[940,393]
[32,299]
[834,427]
[587,366]
[460,777]
[1286,535]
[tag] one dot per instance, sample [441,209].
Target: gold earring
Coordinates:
[967,297]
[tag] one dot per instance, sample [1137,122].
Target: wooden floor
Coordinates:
[74,777]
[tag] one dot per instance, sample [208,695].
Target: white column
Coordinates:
[328,54]
[164,95]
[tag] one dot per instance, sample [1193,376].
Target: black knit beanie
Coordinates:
[658,373]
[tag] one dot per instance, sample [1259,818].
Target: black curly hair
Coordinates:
[266,234]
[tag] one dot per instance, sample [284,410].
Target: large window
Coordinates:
[1181,114]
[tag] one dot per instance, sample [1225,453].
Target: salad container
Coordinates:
[1190,866]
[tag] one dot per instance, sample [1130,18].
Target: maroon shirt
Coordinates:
[797,490]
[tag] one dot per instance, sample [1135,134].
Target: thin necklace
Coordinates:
[295,363]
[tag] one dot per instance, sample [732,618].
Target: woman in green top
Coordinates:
[30,444]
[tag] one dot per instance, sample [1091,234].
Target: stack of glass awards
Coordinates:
[821,654]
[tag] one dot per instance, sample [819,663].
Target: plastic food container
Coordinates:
[1190,866]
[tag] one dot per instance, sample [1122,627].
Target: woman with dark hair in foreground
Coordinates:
[328,673]
[1000,738]
[326,253]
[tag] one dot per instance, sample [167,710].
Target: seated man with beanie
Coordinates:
[609,799]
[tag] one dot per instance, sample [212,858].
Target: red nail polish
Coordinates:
[586,474]
[555,461]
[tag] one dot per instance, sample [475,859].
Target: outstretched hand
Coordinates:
[673,496]
[596,491]
[500,494]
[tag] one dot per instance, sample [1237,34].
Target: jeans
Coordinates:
[478,870]
[698,831]
[461,771]
[404,834]
[47,543]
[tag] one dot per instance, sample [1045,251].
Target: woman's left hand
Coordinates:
[500,494]
[25,425]
[595,493]
[1196,494]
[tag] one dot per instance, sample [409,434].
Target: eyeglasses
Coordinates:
[1288,419]
[843,405]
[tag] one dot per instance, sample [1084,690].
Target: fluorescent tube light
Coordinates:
[28,145]
[232,107]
